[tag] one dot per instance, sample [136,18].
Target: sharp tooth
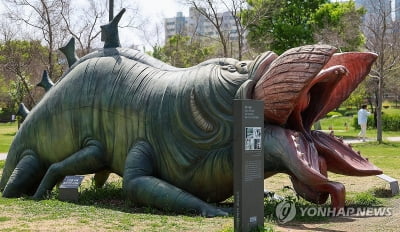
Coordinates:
[300,154]
[296,145]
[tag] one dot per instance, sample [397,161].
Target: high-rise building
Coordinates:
[196,25]
[392,7]
[396,9]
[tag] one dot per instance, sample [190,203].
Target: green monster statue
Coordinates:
[168,132]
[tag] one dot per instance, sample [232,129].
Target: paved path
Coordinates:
[391,139]
[3,156]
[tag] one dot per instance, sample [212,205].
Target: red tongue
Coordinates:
[295,152]
[340,158]
[318,192]
[303,157]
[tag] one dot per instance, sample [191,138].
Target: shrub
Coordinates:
[370,122]
[365,199]
[350,113]
[391,122]
[5,115]
[333,113]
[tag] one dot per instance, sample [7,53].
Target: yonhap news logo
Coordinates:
[286,211]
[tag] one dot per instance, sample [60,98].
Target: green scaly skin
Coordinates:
[117,102]
[168,132]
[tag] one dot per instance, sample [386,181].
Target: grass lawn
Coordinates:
[105,209]
[338,125]
[7,132]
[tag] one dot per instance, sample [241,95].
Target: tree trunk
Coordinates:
[379,111]
[240,46]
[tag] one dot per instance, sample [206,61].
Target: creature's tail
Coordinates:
[11,163]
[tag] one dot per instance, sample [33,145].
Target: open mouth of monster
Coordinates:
[300,87]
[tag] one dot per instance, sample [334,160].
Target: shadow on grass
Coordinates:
[382,193]
[313,217]
[111,196]
[10,134]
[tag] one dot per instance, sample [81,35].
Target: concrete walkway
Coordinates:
[3,156]
[390,139]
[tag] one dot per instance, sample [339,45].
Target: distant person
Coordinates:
[363,114]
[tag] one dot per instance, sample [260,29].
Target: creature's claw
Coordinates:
[211,211]
[88,160]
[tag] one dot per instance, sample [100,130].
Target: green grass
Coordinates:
[364,199]
[49,215]
[7,132]
[338,125]
[98,210]
[103,209]
[385,155]
[106,210]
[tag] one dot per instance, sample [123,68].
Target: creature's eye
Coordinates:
[229,68]
[242,67]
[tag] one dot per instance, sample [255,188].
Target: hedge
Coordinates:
[390,122]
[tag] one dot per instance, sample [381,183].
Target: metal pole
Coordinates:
[111,11]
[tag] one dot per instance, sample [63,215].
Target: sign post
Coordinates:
[248,165]
[69,188]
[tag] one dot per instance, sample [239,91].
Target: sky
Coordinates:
[150,13]
[159,7]
[154,12]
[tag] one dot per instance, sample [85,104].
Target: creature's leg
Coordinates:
[100,178]
[25,176]
[89,159]
[142,188]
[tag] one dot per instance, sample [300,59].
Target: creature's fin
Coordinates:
[46,82]
[22,111]
[69,51]
[109,32]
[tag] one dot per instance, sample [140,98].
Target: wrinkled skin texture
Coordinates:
[169,132]
[300,87]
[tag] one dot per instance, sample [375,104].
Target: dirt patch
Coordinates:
[348,223]
[353,224]
[351,183]
[13,218]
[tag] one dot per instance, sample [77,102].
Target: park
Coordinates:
[151,137]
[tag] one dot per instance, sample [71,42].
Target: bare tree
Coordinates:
[236,8]
[7,32]
[222,12]
[43,16]
[83,23]
[383,38]
[211,9]
[20,64]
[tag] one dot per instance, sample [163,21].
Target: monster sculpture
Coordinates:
[169,132]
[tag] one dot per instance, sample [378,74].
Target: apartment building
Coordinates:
[391,7]
[196,25]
